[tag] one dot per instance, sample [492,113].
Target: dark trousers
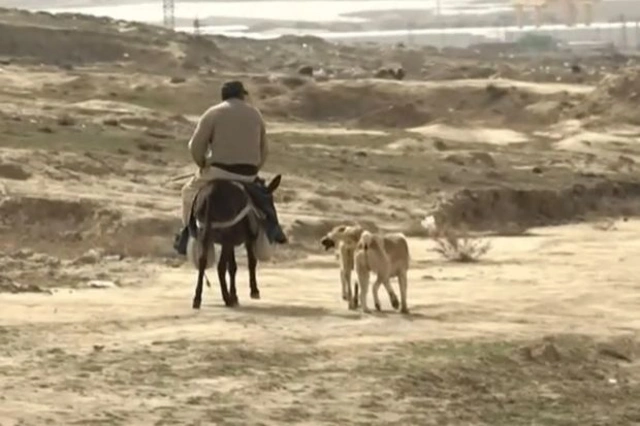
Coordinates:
[261,198]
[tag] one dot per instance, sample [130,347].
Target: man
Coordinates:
[230,142]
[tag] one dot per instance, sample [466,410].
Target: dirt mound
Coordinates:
[615,98]
[56,46]
[143,237]
[69,228]
[7,285]
[622,86]
[13,171]
[34,210]
[398,115]
[500,209]
[388,104]
[55,224]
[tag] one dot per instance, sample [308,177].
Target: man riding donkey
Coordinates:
[230,143]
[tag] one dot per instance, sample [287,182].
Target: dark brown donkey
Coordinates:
[220,206]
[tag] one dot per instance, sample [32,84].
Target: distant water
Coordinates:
[596,32]
[334,11]
[302,11]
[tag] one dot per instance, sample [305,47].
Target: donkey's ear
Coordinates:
[275,183]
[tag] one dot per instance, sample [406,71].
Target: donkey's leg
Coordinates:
[252,263]
[197,298]
[202,262]
[232,267]
[222,278]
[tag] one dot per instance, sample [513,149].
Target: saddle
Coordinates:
[231,201]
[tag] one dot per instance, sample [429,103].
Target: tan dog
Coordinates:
[388,256]
[345,237]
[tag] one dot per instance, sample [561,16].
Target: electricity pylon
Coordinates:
[168,9]
[570,6]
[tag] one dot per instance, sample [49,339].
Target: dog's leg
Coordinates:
[402,281]
[374,290]
[351,297]
[347,283]
[343,283]
[393,298]
[363,280]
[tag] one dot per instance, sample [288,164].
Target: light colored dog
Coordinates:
[345,238]
[388,256]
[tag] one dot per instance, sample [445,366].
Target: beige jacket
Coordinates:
[231,132]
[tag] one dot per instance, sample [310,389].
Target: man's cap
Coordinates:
[233,88]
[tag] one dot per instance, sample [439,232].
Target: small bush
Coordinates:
[177,80]
[455,245]
[607,224]
[66,120]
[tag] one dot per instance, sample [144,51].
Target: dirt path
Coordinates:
[142,356]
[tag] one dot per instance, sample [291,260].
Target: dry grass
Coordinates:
[456,245]
[461,247]
[607,224]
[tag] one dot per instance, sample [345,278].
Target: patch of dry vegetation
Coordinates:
[456,245]
[558,380]
[553,381]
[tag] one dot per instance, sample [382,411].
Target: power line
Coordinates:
[169,9]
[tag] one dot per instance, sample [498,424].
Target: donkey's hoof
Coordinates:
[404,311]
[255,295]
[345,297]
[196,304]
[377,306]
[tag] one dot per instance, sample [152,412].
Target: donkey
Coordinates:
[225,215]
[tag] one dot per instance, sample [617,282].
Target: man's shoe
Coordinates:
[180,242]
[281,238]
[276,235]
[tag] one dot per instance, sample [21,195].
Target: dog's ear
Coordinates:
[354,233]
[378,242]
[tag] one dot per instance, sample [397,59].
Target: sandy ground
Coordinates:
[141,355]
[96,325]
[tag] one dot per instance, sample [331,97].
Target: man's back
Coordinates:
[234,131]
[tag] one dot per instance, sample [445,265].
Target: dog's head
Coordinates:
[347,234]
